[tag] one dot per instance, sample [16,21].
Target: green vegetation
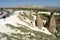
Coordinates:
[27,33]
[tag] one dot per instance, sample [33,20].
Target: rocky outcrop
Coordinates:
[51,23]
[39,23]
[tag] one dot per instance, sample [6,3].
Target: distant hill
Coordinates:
[44,8]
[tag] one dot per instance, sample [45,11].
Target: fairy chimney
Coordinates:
[51,23]
[38,22]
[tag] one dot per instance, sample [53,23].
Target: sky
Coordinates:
[10,3]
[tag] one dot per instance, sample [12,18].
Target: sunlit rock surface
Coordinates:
[19,27]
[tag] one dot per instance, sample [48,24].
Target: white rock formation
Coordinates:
[13,19]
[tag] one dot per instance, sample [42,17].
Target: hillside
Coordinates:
[18,26]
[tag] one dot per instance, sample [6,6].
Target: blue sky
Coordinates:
[8,3]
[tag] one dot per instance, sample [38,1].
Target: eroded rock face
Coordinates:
[51,23]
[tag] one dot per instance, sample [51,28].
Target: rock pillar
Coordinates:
[51,23]
[39,23]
